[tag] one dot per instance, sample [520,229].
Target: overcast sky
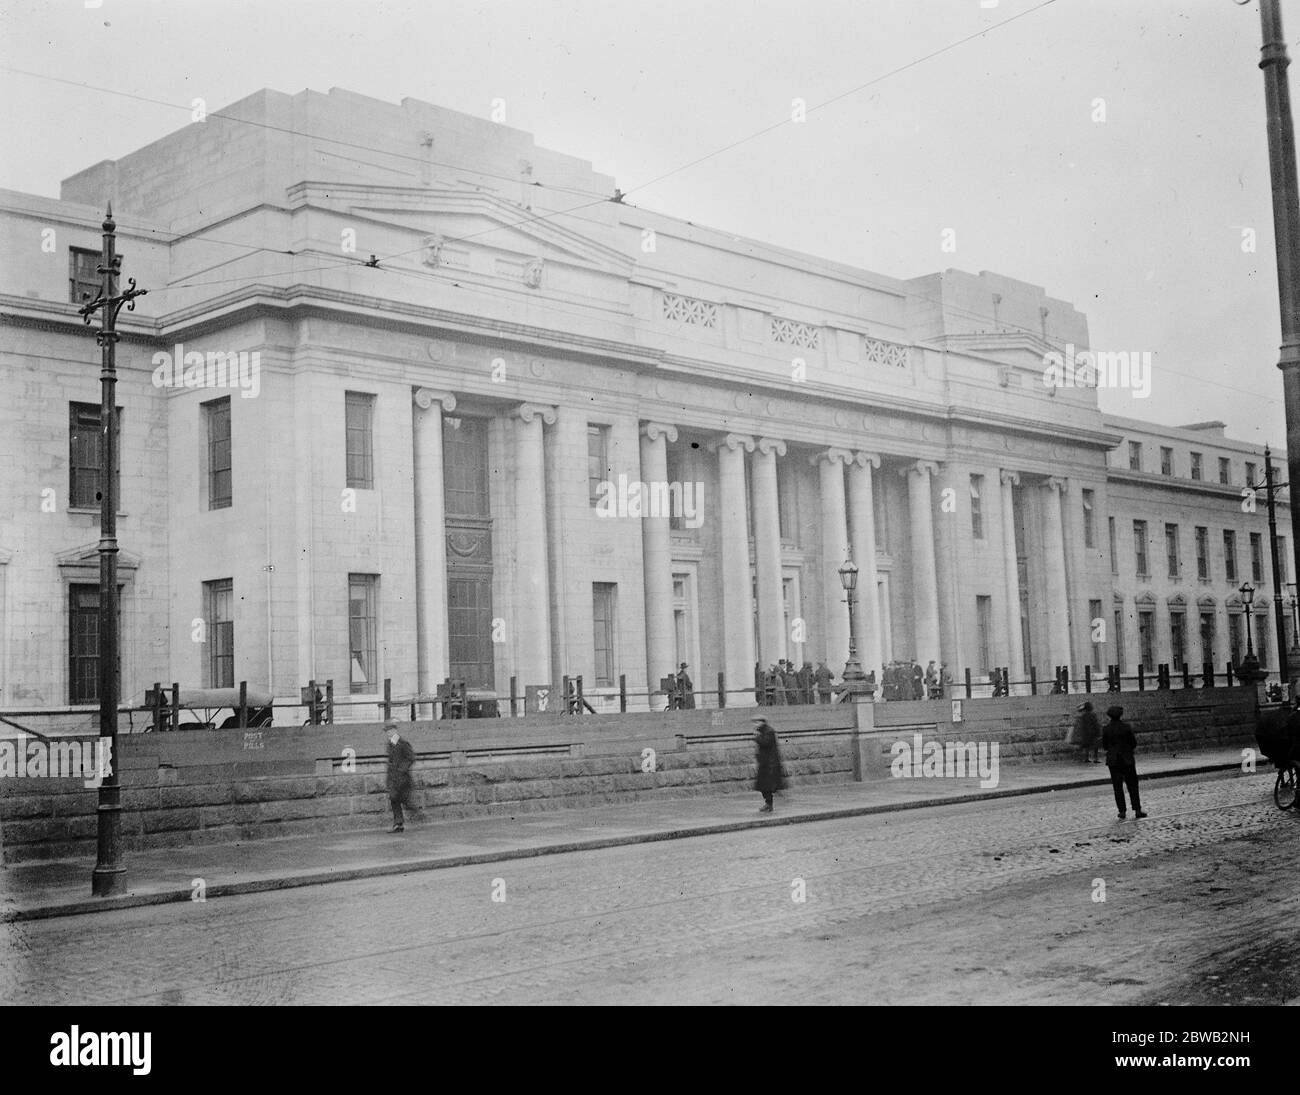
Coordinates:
[1136,219]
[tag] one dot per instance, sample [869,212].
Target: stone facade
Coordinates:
[810,407]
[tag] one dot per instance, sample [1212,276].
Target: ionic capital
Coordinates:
[427,397]
[923,468]
[1009,478]
[769,446]
[831,456]
[732,442]
[1055,483]
[867,459]
[657,431]
[527,412]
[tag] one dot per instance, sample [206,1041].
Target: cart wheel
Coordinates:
[1285,788]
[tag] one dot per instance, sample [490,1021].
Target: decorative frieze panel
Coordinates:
[793,333]
[879,352]
[688,310]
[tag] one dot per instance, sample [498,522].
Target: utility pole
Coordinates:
[109,875]
[1286,230]
[1279,613]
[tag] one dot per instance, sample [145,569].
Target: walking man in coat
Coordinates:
[770,777]
[1118,740]
[401,759]
[823,678]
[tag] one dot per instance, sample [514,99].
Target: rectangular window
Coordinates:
[1089,522]
[786,507]
[216,417]
[1280,544]
[597,462]
[1094,618]
[84,279]
[880,504]
[1166,461]
[674,464]
[359,414]
[1236,644]
[684,615]
[218,609]
[465,467]
[1225,470]
[1177,641]
[1146,639]
[1261,638]
[1251,471]
[984,619]
[604,596]
[1207,638]
[86,455]
[1114,553]
[1119,637]
[1140,548]
[1171,549]
[1135,455]
[976,507]
[83,644]
[363,629]
[1256,558]
[1202,552]
[1198,465]
[1230,555]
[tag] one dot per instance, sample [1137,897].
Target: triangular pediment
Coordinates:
[88,556]
[465,220]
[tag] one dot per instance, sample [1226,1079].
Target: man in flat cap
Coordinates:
[1118,740]
[401,759]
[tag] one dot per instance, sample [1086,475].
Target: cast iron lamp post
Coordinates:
[856,683]
[1248,671]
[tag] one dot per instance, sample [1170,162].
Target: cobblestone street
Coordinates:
[992,902]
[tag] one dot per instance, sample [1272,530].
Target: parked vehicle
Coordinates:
[201,708]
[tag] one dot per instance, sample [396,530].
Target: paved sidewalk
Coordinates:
[38,890]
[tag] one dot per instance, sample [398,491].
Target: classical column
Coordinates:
[737,592]
[532,616]
[835,549]
[925,581]
[767,551]
[1057,590]
[430,540]
[867,612]
[1015,648]
[657,559]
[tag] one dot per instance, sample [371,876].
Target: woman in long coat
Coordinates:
[1086,732]
[771,776]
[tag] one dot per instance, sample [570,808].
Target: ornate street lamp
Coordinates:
[856,683]
[1248,672]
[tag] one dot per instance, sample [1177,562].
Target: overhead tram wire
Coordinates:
[618,197]
[299,133]
[842,95]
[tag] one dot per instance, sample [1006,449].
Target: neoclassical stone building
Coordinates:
[411,397]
